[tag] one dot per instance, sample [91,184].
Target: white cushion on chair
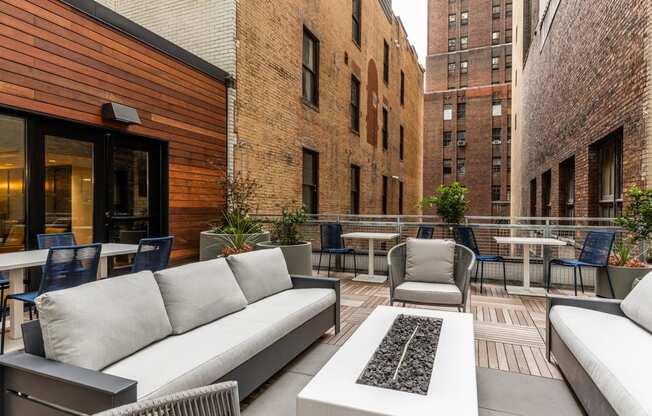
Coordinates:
[638,304]
[431,293]
[430,261]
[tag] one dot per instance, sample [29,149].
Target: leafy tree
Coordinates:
[450,202]
[285,231]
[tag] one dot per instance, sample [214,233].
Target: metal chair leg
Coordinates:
[355,265]
[575,279]
[504,276]
[611,286]
[477,267]
[579,269]
[481,276]
[4,325]
[330,257]
[30,312]
[319,264]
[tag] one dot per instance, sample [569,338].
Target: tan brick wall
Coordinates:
[274,125]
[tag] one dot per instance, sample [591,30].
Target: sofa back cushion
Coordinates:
[99,323]
[261,273]
[430,261]
[638,304]
[199,293]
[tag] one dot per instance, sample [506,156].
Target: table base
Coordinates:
[523,291]
[365,278]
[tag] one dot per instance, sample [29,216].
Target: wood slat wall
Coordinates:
[57,61]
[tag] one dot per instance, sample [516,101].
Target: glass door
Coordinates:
[12,184]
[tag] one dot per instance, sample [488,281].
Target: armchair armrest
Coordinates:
[309,282]
[33,385]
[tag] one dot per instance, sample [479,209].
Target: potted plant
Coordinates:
[287,235]
[237,231]
[629,258]
[450,202]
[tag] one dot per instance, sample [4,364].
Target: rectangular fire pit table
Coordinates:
[334,391]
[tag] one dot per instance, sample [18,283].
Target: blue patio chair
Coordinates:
[333,244]
[64,268]
[46,241]
[153,254]
[465,236]
[425,232]
[595,253]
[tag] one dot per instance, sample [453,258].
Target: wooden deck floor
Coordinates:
[509,330]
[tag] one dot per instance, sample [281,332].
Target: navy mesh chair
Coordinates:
[425,233]
[466,237]
[333,244]
[153,254]
[64,268]
[595,253]
[46,241]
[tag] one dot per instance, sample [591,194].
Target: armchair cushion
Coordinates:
[430,261]
[198,293]
[261,273]
[430,293]
[637,305]
[96,324]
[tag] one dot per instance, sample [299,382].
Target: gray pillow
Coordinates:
[199,293]
[430,261]
[261,273]
[638,304]
[99,323]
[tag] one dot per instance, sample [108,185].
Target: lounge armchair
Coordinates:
[432,288]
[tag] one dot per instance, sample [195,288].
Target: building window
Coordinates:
[461,111]
[355,104]
[496,136]
[496,109]
[567,188]
[508,9]
[495,193]
[448,112]
[464,67]
[400,198]
[357,17]
[508,36]
[451,44]
[464,18]
[546,190]
[495,12]
[385,196]
[509,164]
[386,62]
[451,20]
[508,62]
[402,87]
[401,145]
[495,63]
[464,42]
[495,38]
[496,164]
[533,197]
[610,174]
[448,167]
[310,181]
[461,167]
[355,189]
[461,138]
[451,68]
[310,68]
[448,138]
[385,130]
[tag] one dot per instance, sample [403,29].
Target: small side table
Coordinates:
[372,237]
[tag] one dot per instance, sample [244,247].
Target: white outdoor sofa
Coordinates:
[143,336]
[604,350]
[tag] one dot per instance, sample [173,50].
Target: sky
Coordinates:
[414,14]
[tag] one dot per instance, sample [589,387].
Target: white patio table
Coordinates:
[526,242]
[14,264]
[372,237]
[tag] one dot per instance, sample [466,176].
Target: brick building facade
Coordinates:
[298,126]
[468,101]
[580,106]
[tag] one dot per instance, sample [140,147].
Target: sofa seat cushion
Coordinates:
[614,351]
[205,354]
[433,293]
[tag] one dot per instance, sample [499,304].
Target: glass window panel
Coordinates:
[12,184]
[69,187]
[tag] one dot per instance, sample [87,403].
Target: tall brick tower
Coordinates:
[467,125]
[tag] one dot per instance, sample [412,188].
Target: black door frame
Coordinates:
[38,125]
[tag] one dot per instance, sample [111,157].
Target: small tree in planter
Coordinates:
[450,202]
[287,235]
[624,265]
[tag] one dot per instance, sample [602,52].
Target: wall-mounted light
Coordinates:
[120,113]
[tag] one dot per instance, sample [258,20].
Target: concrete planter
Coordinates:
[622,279]
[298,258]
[212,244]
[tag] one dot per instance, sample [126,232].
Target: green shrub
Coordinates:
[450,202]
[285,231]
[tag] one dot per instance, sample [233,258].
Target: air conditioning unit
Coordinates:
[461,143]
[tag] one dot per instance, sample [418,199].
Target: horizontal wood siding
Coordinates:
[57,61]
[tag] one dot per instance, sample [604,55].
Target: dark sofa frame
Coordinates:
[34,386]
[588,394]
